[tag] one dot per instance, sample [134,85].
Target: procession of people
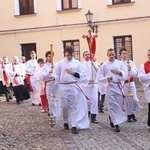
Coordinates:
[71,89]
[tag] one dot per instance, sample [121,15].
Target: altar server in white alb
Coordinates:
[17,72]
[91,90]
[144,77]
[131,103]
[41,85]
[71,75]
[111,74]
[6,79]
[52,93]
[31,65]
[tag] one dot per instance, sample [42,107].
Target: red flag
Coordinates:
[91,40]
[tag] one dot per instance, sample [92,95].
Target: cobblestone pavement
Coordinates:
[24,127]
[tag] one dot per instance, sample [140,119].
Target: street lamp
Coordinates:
[89,17]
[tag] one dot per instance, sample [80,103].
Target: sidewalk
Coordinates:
[24,127]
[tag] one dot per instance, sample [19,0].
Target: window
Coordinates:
[25,7]
[69,4]
[26,48]
[76,45]
[121,1]
[115,2]
[119,41]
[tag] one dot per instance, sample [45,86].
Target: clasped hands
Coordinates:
[114,71]
[70,71]
[51,78]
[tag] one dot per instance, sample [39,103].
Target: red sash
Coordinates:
[29,81]
[75,82]
[5,76]
[82,91]
[121,89]
[131,80]
[15,80]
[147,67]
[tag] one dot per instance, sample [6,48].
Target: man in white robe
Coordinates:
[31,65]
[131,103]
[23,62]
[70,74]
[6,79]
[52,93]
[17,76]
[111,74]
[144,78]
[91,90]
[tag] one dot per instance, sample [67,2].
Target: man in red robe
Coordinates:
[144,78]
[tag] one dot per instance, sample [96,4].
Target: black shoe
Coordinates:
[39,104]
[33,104]
[133,117]
[7,100]
[66,126]
[18,103]
[129,118]
[117,128]
[111,124]
[74,130]
[10,97]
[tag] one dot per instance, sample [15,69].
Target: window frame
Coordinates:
[59,6]
[70,5]
[123,44]
[17,8]
[27,7]
[78,57]
[110,3]
[122,2]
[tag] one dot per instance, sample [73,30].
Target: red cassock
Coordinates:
[147,67]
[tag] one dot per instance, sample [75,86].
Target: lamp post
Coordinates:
[89,17]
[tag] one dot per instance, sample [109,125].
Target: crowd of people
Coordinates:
[80,89]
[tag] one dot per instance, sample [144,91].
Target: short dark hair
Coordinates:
[69,49]
[122,49]
[48,53]
[32,52]
[40,60]
[110,50]
[85,52]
